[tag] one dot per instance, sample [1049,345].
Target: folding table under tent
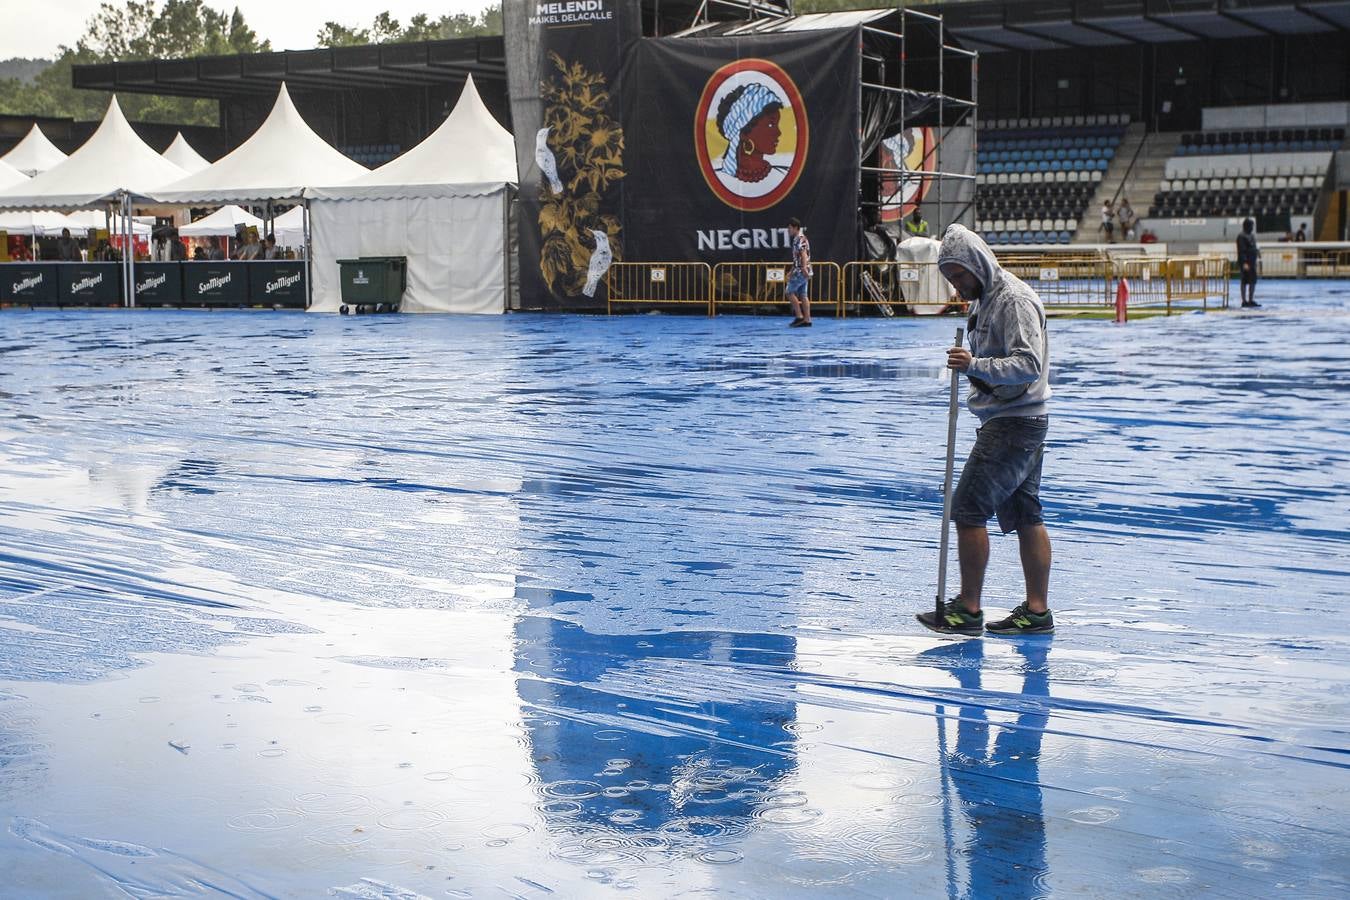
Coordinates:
[34,154]
[444,205]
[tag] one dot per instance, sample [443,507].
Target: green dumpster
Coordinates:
[373,283]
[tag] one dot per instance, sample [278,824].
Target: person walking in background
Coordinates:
[1008,367]
[1127,219]
[1108,220]
[799,277]
[1248,257]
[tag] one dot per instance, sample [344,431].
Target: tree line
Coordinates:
[179,29]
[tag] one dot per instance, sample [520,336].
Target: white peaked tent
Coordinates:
[280,159]
[289,228]
[114,161]
[10,176]
[221,223]
[97,218]
[181,154]
[35,222]
[34,153]
[444,205]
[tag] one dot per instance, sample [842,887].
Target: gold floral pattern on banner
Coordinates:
[586,144]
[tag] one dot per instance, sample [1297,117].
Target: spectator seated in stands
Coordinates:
[1302,234]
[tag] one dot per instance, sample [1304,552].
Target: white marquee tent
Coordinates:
[289,228]
[280,159]
[113,162]
[221,223]
[34,153]
[444,205]
[97,218]
[181,154]
[10,176]
[35,222]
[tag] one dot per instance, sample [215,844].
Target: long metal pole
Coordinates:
[309,284]
[942,118]
[952,409]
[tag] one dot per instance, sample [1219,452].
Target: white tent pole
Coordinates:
[309,286]
[131,250]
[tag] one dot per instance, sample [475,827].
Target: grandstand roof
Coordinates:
[1055,24]
[335,69]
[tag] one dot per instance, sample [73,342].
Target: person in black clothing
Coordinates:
[1247,258]
[67,248]
[177,249]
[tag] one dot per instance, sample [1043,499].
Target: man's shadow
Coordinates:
[1000,832]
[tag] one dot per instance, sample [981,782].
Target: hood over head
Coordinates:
[964,247]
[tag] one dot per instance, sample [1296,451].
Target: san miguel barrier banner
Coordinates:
[563,59]
[728,139]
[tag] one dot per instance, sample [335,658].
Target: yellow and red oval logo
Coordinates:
[751,134]
[913,151]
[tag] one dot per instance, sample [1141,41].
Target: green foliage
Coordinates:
[140,29]
[385,29]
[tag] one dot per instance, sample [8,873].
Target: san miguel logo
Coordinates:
[912,150]
[751,134]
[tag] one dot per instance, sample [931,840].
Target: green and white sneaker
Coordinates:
[1024,621]
[955,619]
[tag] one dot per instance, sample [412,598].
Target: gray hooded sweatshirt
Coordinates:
[1010,372]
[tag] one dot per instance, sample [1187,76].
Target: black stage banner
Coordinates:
[563,59]
[729,138]
[91,284]
[34,283]
[159,283]
[277,283]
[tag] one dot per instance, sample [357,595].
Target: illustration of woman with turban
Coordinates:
[748,118]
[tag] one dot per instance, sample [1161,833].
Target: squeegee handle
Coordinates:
[952,408]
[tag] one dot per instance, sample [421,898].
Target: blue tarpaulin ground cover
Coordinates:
[297,606]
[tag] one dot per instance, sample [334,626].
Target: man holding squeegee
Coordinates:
[1008,367]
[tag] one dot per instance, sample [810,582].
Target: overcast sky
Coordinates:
[35,29]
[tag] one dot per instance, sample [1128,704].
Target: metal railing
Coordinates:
[1065,282]
[751,284]
[659,284]
[897,287]
[1083,280]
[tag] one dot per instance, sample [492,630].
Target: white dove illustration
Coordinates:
[601,257]
[547,164]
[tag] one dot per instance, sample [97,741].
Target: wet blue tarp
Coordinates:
[394,607]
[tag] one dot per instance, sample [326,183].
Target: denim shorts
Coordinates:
[1002,475]
[796,285]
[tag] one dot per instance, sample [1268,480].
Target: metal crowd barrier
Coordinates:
[1064,280]
[765,284]
[659,284]
[1147,277]
[897,287]
[1197,278]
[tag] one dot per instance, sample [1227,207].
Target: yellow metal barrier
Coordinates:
[1202,278]
[659,284]
[1147,277]
[765,284]
[1065,280]
[897,287]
